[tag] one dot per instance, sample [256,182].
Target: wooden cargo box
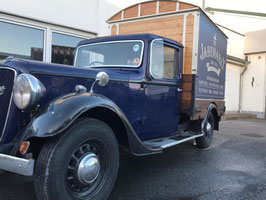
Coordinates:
[204,47]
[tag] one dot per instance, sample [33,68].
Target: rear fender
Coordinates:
[212,108]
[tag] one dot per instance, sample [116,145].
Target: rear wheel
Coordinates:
[82,164]
[206,140]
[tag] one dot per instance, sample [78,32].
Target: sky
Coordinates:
[238,23]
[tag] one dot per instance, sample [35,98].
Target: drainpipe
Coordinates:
[203,5]
[241,86]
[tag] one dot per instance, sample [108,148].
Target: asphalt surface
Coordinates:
[234,167]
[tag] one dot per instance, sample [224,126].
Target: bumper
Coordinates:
[17,165]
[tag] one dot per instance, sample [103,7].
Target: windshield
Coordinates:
[110,54]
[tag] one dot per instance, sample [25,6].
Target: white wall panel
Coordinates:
[232,87]
[88,15]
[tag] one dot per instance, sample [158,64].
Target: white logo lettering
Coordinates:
[213,69]
[2,88]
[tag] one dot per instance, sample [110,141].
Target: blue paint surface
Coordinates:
[151,106]
[210,83]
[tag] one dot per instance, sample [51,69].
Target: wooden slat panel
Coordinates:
[187,90]
[131,12]
[186,96]
[187,87]
[189,44]
[170,27]
[148,8]
[184,6]
[118,16]
[114,30]
[187,78]
[167,6]
[202,105]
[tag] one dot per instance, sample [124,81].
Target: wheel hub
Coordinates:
[88,169]
[208,128]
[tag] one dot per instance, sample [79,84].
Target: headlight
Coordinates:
[27,91]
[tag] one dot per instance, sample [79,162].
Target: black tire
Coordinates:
[55,177]
[206,140]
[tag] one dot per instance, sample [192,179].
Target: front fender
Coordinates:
[61,113]
[57,116]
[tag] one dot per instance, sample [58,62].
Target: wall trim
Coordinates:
[32,19]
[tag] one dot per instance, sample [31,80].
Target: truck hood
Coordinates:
[42,68]
[73,71]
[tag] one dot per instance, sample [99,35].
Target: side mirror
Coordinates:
[102,78]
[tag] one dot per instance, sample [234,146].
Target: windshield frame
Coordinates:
[108,42]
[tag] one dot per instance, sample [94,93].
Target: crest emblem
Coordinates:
[2,89]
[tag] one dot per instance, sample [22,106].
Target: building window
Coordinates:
[63,47]
[21,41]
[163,64]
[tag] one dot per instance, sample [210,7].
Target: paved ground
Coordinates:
[233,168]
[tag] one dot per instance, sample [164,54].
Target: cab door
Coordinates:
[163,91]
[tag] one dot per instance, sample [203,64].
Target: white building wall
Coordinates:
[87,15]
[235,43]
[255,42]
[235,47]
[232,87]
[254,85]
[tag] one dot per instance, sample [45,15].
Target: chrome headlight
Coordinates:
[27,91]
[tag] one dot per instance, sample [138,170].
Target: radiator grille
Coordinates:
[6,84]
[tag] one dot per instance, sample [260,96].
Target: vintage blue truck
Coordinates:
[64,124]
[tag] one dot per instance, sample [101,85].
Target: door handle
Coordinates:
[143,86]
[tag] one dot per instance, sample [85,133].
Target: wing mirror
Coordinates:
[102,78]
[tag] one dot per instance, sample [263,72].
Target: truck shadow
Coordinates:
[149,177]
[137,175]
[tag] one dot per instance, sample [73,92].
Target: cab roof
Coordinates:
[144,37]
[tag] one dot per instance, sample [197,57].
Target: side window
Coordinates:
[163,60]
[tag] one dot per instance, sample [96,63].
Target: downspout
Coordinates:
[241,86]
[265,89]
[203,4]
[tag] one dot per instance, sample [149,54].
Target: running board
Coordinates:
[168,142]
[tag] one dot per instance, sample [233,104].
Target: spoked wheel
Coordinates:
[86,168]
[206,140]
[80,165]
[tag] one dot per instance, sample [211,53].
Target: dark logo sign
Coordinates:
[217,64]
[211,61]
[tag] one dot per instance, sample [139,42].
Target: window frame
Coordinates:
[108,42]
[50,43]
[47,27]
[18,23]
[150,63]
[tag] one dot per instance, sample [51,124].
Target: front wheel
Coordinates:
[206,140]
[82,164]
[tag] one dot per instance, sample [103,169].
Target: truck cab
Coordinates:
[65,124]
[154,71]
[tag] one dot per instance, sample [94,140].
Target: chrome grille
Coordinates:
[7,77]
